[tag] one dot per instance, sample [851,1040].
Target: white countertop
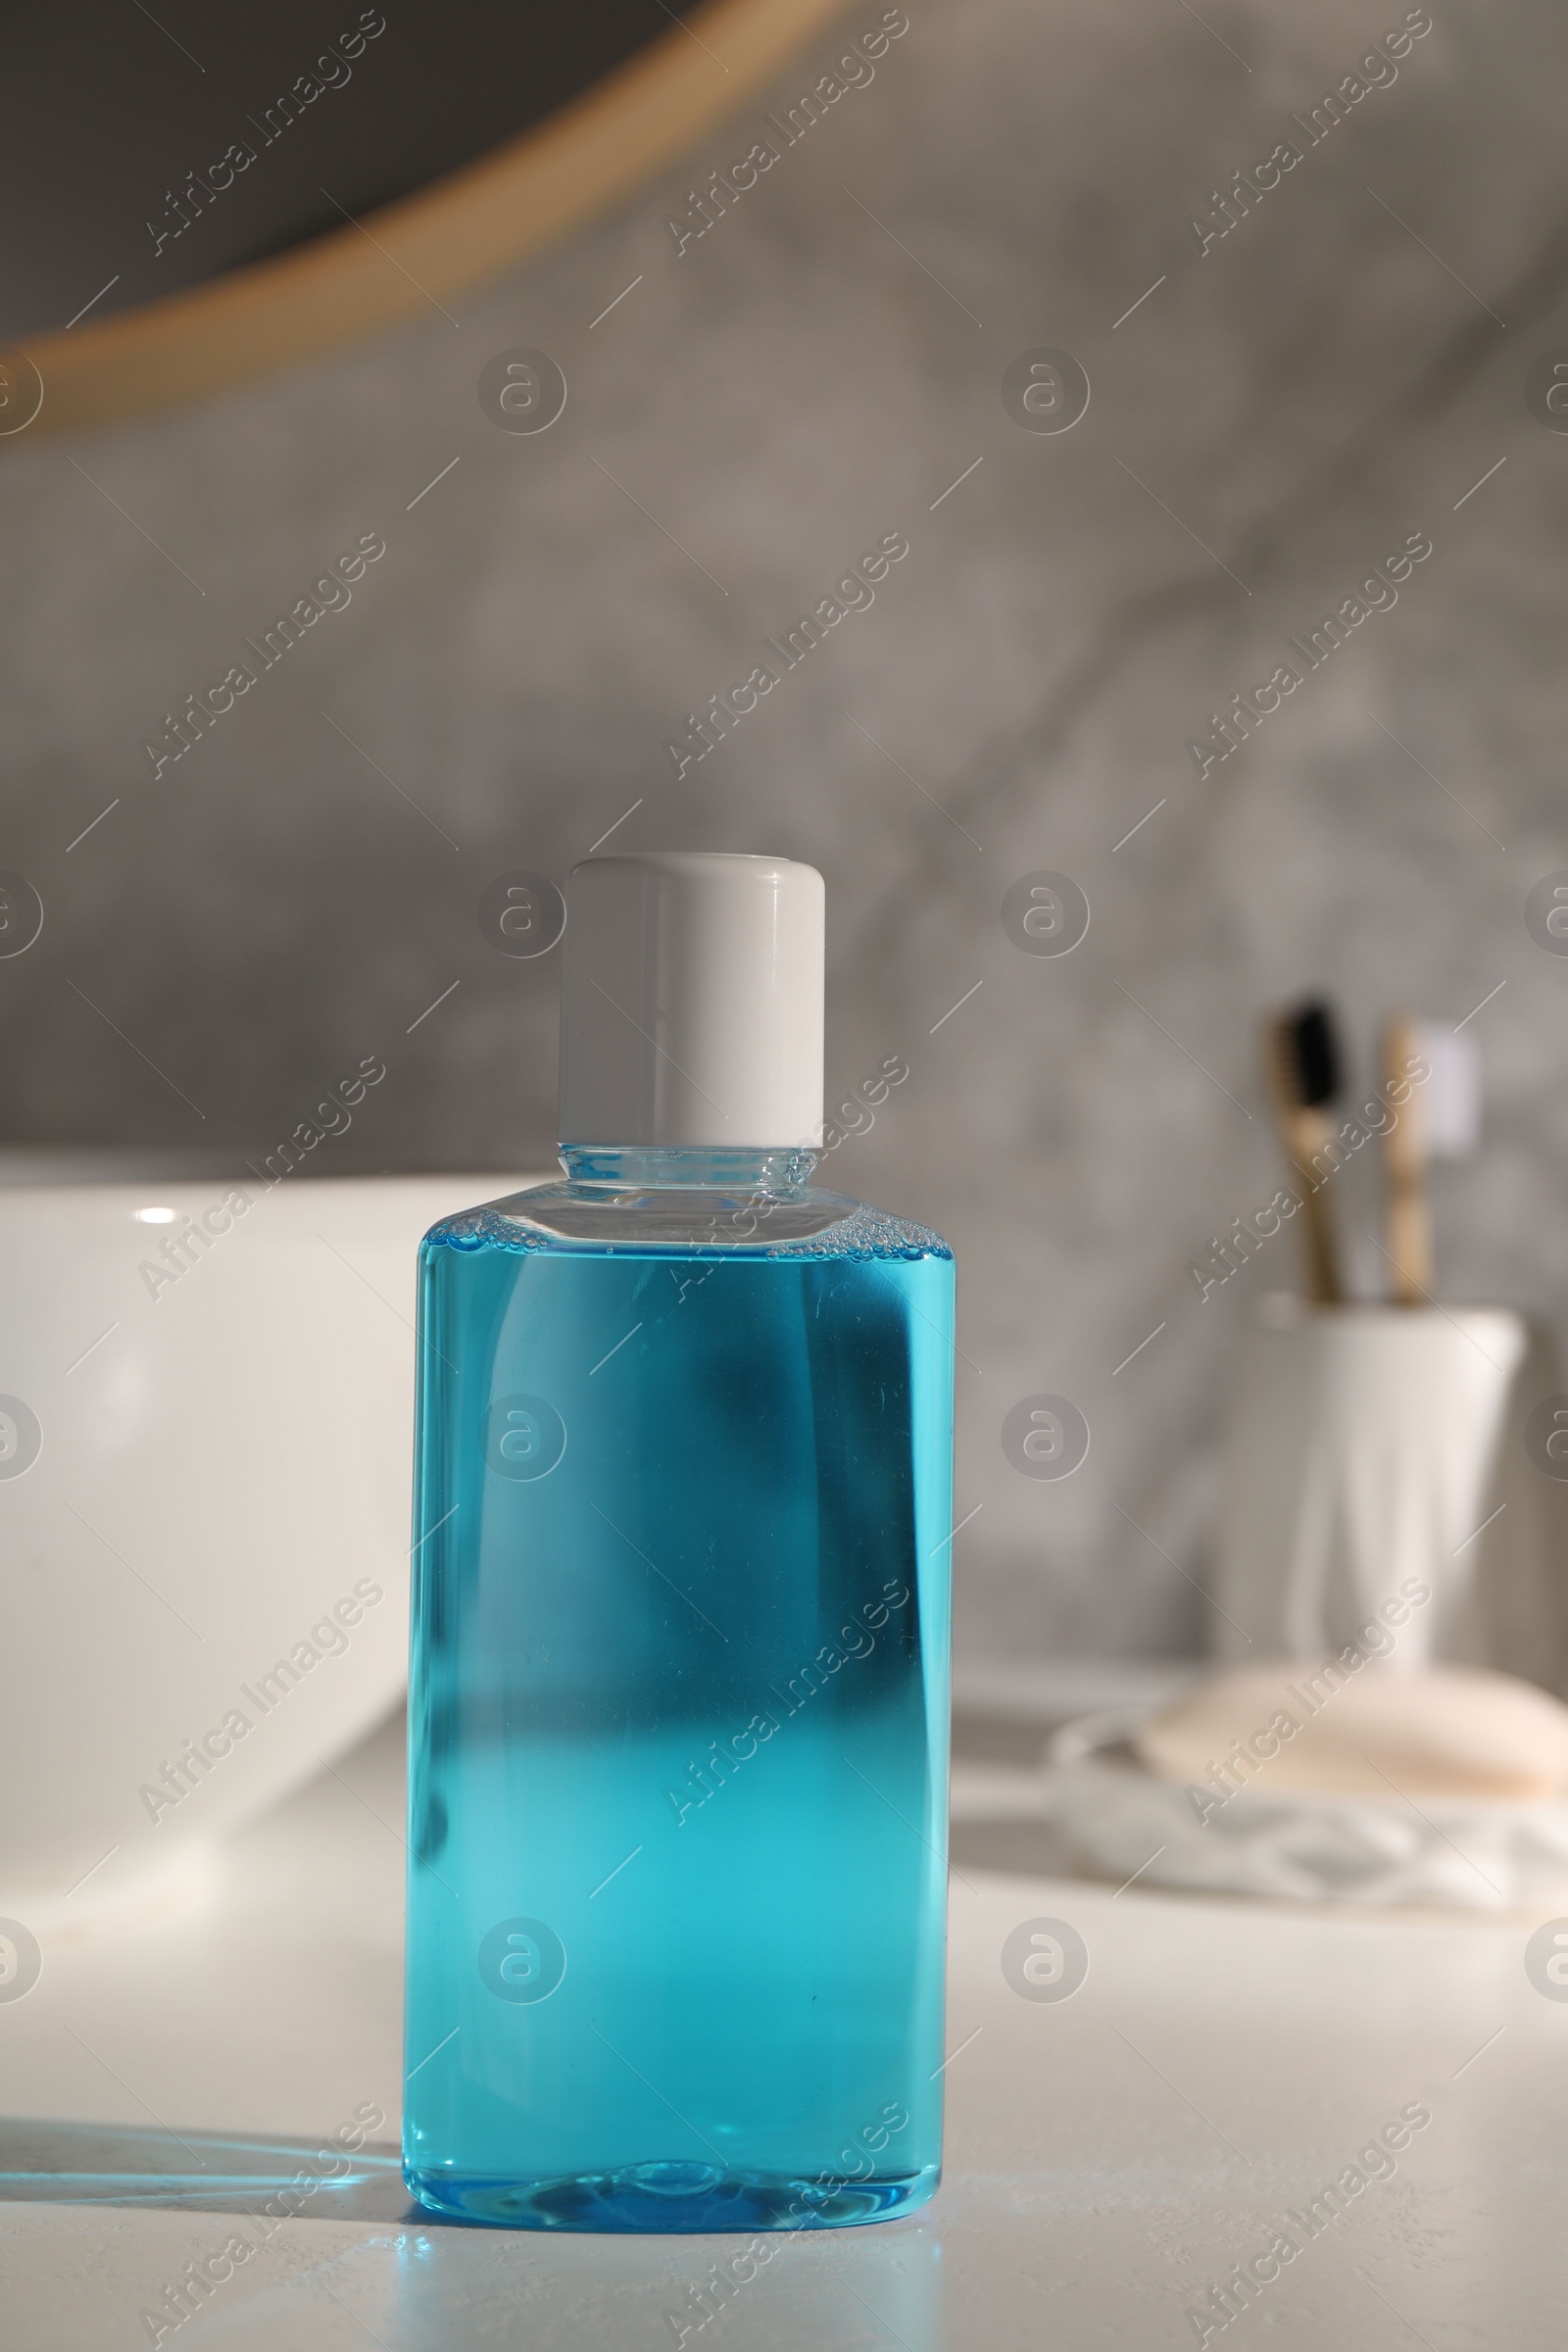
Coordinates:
[1111,2158]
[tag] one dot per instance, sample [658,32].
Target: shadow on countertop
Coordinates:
[256,2173]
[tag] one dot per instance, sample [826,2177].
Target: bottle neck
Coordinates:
[673,1167]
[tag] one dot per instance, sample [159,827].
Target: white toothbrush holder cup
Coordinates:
[1379,1454]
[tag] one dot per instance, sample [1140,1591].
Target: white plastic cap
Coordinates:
[692,1002]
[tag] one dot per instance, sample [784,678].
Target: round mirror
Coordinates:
[196,195]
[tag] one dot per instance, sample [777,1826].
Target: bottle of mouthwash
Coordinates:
[678,1704]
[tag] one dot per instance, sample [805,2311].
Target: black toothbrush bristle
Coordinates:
[1316,1054]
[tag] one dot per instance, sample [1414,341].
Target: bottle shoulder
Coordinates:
[568,1219]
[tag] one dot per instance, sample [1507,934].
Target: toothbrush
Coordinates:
[1303,1065]
[1439,1120]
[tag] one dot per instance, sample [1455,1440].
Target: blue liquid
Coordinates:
[678,1729]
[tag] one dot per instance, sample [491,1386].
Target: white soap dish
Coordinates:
[1120,1821]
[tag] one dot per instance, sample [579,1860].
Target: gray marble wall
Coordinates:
[1291,402]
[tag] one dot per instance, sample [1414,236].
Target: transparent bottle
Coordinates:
[679,1661]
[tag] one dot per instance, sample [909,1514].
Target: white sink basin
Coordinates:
[204,1510]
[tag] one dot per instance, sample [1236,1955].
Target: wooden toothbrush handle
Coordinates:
[1309,1134]
[1407,1209]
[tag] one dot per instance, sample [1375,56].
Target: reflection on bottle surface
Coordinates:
[678,1725]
